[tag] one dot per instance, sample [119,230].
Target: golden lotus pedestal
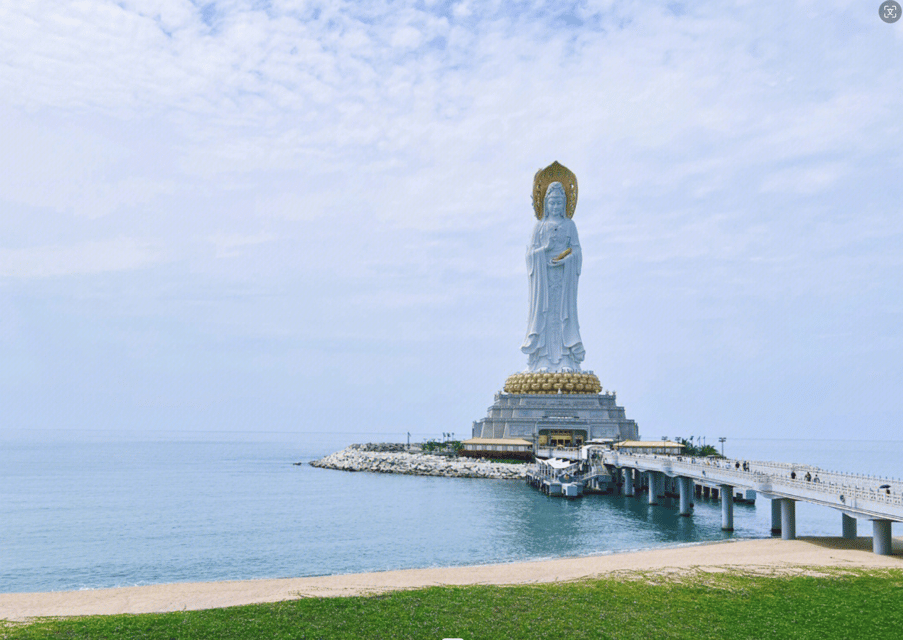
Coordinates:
[567,382]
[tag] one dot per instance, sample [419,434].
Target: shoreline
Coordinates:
[769,555]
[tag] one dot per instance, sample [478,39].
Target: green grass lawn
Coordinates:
[859,604]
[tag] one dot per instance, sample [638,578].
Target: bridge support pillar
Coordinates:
[882,542]
[727,507]
[654,482]
[776,516]
[788,519]
[848,526]
[628,482]
[686,495]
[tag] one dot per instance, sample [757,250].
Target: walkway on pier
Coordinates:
[855,496]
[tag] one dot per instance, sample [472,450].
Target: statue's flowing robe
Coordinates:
[542,337]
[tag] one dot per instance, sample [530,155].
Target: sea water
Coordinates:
[96,510]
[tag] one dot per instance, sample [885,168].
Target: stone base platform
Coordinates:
[549,418]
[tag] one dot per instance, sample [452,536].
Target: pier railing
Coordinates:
[844,489]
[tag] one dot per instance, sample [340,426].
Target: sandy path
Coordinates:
[769,554]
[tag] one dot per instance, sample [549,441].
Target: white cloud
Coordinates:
[462,9]
[811,179]
[70,167]
[407,38]
[230,245]
[93,257]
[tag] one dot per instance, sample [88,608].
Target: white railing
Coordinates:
[832,483]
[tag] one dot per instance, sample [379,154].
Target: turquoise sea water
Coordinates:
[92,512]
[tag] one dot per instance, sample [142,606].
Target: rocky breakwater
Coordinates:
[392,458]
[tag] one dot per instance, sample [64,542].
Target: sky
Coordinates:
[311,217]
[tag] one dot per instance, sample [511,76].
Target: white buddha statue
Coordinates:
[554,260]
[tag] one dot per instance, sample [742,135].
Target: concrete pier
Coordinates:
[686,495]
[882,542]
[848,525]
[788,519]
[654,482]
[628,482]
[727,507]
[776,516]
[855,495]
[670,479]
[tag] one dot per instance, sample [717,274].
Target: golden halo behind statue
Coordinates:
[555,172]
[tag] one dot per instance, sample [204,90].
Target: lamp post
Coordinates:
[721,440]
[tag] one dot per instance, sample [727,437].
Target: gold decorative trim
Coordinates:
[555,172]
[553,383]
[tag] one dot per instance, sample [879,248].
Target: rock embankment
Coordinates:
[361,458]
[384,447]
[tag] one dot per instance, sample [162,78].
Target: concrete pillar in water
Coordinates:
[686,495]
[848,526]
[653,486]
[882,542]
[776,516]
[727,507]
[788,519]
[628,482]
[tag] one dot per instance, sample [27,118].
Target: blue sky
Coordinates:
[312,216]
